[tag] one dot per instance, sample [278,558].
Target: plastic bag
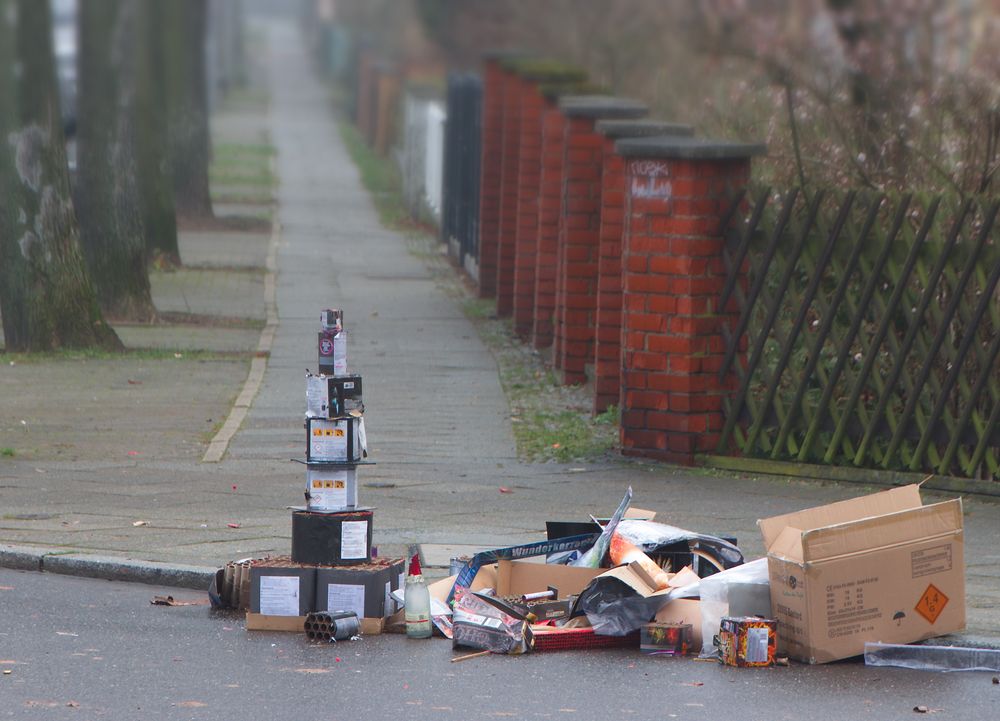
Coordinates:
[593,557]
[614,608]
[932,658]
[741,591]
[650,536]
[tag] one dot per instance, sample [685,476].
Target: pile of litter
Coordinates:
[863,576]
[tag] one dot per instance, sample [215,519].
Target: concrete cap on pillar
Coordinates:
[601,106]
[641,128]
[500,55]
[555,90]
[545,70]
[684,148]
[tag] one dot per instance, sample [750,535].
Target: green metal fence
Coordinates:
[867,331]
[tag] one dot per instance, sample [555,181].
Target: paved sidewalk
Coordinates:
[436,416]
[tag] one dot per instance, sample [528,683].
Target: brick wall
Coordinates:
[577,250]
[676,192]
[549,212]
[363,100]
[489,181]
[510,163]
[526,236]
[607,335]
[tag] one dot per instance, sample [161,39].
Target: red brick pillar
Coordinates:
[607,337]
[549,212]
[363,99]
[536,74]
[490,166]
[579,226]
[510,162]
[677,190]
[528,183]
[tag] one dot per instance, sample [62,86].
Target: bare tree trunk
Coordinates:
[155,182]
[185,28]
[107,197]
[45,292]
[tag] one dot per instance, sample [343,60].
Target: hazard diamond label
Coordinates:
[932,603]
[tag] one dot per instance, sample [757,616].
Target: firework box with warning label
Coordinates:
[883,567]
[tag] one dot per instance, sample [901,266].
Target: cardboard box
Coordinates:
[332,396]
[285,588]
[335,441]
[666,639]
[882,567]
[516,578]
[332,346]
[365,590]
[747,641]
[332,538]
[331,488]
[509,578]
[684,611]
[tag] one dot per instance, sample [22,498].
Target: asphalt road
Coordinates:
[86,649]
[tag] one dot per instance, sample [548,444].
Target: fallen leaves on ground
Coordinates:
[191,704]
[504,489]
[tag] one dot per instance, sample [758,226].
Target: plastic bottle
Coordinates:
[417,603]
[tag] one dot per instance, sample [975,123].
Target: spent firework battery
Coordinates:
[335,626]
[747,641]
[665,639]
[282,587]
[340,440]
[332,347]
[331,319]
[365,588]
[331,487]
[332,396]
[545,605]
[338,538]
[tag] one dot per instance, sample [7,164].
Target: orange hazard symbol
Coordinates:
[932,603]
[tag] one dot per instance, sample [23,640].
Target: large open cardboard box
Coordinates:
[882,567]
[510,578]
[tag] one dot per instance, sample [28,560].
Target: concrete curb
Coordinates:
[110,568]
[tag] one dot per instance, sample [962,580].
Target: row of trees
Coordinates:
[885,95]
[74,255]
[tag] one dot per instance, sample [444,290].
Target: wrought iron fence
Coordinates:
[460,214]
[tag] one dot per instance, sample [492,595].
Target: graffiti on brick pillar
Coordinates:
[650,179]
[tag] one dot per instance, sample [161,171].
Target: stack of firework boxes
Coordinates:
[331,567]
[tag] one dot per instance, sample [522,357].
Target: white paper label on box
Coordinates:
[328,490]
[757,645]
[328,441]
[317,401]
[389,606]
[401,584]
[346,597]
[279,595]
[362,436]
[340,356]
[354,539]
